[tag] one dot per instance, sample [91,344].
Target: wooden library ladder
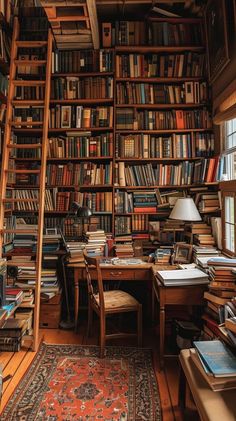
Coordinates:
[9,145]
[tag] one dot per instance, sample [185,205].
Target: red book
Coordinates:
[145,210]
[179,119]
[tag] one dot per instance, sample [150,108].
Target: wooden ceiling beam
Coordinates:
[92,13]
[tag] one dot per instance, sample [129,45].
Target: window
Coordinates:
[229,217]
[229,153]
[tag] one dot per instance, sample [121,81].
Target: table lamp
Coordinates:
[185,210]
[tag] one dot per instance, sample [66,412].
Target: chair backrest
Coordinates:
[93,263]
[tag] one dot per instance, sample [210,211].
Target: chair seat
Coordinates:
[117,299]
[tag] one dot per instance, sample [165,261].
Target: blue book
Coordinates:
[219,360]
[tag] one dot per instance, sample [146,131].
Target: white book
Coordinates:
[182,277]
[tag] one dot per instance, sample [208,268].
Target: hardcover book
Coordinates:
[220,361]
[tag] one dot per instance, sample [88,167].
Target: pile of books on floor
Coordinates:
[182,277]
[11,334]
[216,363]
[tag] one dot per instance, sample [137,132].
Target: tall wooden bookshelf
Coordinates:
[150,102]
[124,121]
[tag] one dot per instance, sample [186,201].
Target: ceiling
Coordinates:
[75,22]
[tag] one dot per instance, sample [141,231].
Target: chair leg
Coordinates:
[140,324]
[102,335]
[90,320]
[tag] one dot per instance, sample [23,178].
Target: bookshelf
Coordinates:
[163,128]
[124,121]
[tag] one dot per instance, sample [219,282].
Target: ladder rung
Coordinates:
[31,44]
[30,62]
[25,146]
[10,200]
[21,231]
[27,102]
[29,82]
[22,171]
[26,123]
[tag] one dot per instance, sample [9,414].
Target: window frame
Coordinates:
[228,189]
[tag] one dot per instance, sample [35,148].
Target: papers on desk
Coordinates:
[182,277]
[128,262]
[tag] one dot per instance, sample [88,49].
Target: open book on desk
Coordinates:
[181,277]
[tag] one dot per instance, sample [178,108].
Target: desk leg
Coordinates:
[76,284]
[162,335]
[182,389]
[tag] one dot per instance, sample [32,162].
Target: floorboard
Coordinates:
[16,364]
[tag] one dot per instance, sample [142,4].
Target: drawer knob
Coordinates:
[116,273]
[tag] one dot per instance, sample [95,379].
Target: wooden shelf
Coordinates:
[60,130]
[157,49]
[82,101]
[160,106]
[82,74]
[144,131]
[182,186]
[91,158]
[158,159]
[157,79]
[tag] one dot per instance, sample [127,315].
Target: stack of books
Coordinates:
[11,334]
[230,326]
[201,255]
[216,363]
[25,314]
[221,288]
[14,295]
[124,250]
[96,242]
[75,251]
[162,256]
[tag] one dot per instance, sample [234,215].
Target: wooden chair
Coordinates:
[109,302]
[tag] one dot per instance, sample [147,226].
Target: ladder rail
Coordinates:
[7,133]
[42,191]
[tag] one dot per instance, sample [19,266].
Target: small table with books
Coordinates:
[184,292]
[213,402]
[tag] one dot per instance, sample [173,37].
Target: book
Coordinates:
[219,360]
[182,277]
[217,384]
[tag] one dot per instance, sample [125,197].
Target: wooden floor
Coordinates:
[15,364]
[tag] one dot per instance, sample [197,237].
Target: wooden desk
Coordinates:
[211,406]
[140,272]
[174,295]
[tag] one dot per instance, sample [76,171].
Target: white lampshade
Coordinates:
[185,210]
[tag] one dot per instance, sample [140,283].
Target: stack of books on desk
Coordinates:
[201,255]
[75,251]
[182,277]
[216,363]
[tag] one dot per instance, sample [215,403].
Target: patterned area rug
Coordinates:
[71,383]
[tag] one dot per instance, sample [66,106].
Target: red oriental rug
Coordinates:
[71,383]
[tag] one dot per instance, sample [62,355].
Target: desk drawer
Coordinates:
[118,274]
